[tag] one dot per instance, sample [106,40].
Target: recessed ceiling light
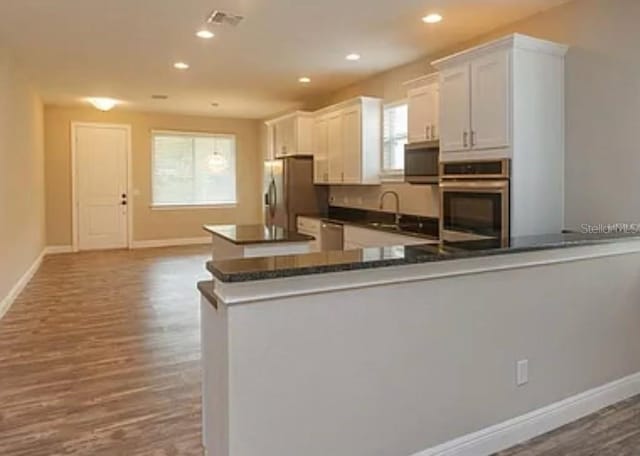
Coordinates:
[181,66]
[103,104]
[205,34]
[353,57]
[304,80]
[432,18]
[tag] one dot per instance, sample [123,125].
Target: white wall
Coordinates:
[395,369]
[22,227]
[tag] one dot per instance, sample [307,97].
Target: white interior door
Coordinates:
[101,156]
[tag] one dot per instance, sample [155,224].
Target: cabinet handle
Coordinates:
[464,139]
[473,138]
[326,177]
[342,176]
[426,132]
[433,132]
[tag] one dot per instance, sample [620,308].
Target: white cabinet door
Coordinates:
[285,137]
[320,151]
[491,101]
[418,106]
[351,146]
[334,143]
[423,113]
[455,109]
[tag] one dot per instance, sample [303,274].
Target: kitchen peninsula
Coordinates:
[413,350]
[244,241]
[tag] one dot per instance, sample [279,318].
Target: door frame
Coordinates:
[74,180]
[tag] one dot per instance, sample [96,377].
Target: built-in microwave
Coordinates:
[474,201]
[421,162]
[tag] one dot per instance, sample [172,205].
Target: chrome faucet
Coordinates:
[391,192]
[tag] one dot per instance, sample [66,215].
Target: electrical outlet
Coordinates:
[522,372]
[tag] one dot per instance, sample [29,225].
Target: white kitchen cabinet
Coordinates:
[334,141]
[491,101]
[353,138]
[455,108]
[357,237]
[321,150]
[423,109]
[291,134]
[508,95]
[351,145]
[492,94]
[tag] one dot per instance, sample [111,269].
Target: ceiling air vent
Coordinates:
[222,18]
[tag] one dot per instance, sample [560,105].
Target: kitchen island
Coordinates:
[245,241]
[427,350]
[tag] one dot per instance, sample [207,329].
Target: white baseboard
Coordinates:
[170,242]
[8,300]
[522,428]
[55,249]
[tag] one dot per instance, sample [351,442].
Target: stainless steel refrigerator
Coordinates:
[289,191]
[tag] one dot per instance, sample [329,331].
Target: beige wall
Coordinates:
[149,224]
[22,236]
[602,103]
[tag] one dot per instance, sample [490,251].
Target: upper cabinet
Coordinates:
[476,112]
[347,142]
[480,91]
[291,135]
[423,103]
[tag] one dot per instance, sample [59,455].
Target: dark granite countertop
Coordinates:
[255,234]
[410,225]
[253,269]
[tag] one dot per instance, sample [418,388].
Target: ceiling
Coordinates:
[125,49]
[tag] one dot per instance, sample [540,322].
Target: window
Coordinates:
[395,137]
[193,169]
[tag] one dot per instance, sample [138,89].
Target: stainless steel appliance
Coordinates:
[421,162]
[474,201]
[331,236]
[289,191]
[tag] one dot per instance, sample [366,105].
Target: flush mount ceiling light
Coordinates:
[304,80]
[181,66]
[102,104]
[205,34]
[432,18]
[353,57]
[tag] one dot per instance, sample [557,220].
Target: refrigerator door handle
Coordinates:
[273,198]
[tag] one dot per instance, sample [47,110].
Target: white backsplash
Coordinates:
[421,200]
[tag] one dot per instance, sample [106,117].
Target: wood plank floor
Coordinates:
[100,355]
[613,431]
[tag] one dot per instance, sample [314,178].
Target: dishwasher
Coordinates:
[331,236]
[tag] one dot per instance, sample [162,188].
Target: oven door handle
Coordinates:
[480,185]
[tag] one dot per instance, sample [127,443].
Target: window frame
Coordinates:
[193,206]
[391,175]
